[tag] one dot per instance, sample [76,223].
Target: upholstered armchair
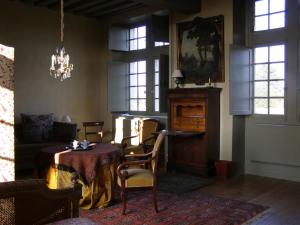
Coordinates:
[27,202]
[131,177]
[146,138]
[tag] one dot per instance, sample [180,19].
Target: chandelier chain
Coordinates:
[62,21]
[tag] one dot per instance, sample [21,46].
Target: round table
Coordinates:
[96,169]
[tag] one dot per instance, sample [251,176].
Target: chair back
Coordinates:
[156,149]
[147,128]
[94,129]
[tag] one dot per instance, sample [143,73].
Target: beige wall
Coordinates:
[34,33]
[213,8]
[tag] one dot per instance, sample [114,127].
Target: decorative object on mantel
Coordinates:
[177,76]
[201,49]
[60,65]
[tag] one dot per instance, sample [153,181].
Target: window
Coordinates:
[269,79]
[269,14]
[157,44]
[137,86]
[156,85]
[137,38]
[135,83]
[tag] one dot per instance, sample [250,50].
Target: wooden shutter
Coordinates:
[240,80]
[118,39]
[118,99]
[163,82]
[160,28]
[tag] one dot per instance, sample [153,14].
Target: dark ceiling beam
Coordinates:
[68,3]
[184,6]
[111,14]
[102,6]
[46,2]
[119,8]
[84,5]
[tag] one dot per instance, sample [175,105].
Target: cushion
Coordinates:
[37,128]
[138,178]
[64,131]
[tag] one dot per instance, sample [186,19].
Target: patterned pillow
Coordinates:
[37,128]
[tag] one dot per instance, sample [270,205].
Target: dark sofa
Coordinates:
[34,133]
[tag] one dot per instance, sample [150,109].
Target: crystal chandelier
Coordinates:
[60,61]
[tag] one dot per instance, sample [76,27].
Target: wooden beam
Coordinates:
[83,5]
[46,2]
[102,6]
[119,8]
[184,6]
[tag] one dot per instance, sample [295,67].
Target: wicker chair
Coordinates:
[28,202]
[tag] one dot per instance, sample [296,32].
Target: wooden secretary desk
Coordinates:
[194,129]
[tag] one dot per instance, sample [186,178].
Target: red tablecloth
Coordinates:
[86,162]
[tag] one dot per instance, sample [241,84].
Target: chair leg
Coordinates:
[123,198]
[154,191]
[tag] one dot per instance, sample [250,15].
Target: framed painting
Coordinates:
[201,49]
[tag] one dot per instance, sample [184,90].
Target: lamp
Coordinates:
[60,61]
[177,75]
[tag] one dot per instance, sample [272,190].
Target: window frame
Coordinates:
[268,38]
[268,80]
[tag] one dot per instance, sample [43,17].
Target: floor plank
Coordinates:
[283,197]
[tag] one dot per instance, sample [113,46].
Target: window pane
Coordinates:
[156,65]
[277,71]
[142,31]
[261,7]
[133,45]
[133,67]
[156,79]
[260,106]
[277,5]
[142,67]
[261,72]
[142,92]
[261,89]
[133,80]
[142,105]
[276,53]
[276,88]
[156,91]
[277,106]
[261,23]
[133,92]
[141,43]
[133,104]
[156,105]
[261,54]
[133,33]
[277,20]
[142,79]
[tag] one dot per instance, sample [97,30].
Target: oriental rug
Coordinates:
[186,209]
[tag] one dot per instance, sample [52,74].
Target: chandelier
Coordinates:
[60,61]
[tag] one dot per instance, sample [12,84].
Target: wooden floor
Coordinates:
[283,197]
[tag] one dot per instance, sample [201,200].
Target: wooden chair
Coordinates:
[93,129]
[145,135]
[129,177]
[26,202]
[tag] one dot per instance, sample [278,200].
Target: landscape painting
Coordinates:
[201,49]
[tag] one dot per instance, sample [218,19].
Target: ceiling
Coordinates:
[103,9]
